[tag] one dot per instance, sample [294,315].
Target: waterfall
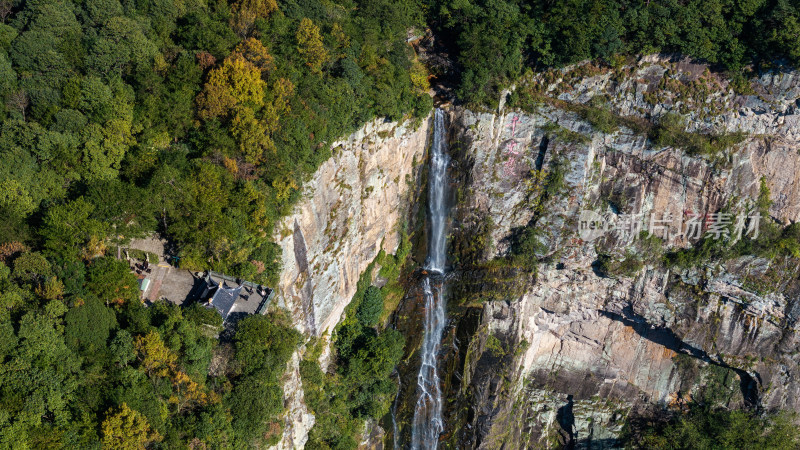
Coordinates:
[428,422]
[437,199]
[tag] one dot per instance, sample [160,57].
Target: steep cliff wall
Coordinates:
[561,346]
[566,358]
[353,207]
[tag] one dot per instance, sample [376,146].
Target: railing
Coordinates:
[262,308]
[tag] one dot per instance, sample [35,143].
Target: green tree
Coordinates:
[310,45]
[45,372]
[104,148]
[112,281]
[718,429]
[120,45]
[371,307]
[265,342]
[126,428]
[122,348]
[32,268]
[87,327]
[251,135]
[68,227]
[255,403]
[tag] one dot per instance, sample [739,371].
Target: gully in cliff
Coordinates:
[428,423]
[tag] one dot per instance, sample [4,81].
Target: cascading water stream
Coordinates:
[428,422]
[437,196]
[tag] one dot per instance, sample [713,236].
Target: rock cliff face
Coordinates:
[353,207]
[568,357]
[563,350]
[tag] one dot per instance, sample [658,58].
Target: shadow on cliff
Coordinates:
[668,339]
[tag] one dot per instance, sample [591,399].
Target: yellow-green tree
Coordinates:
[310,46]
[188,392]
[342,41]
[15,197]
[104,148]
[278,105]
[251,136]
[154,355]
[127,429]
[261,8]
[419,76]
[237,82]
[247,11]
[254,51]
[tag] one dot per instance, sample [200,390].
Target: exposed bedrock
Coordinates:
[565,357]
[563,354]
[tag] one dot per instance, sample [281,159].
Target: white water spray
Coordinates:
[437,198]
[428,423]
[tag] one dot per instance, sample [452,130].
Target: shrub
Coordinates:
[597,114]
[714,429]
[670,132]
[142,255]
[371,307]
[627,267]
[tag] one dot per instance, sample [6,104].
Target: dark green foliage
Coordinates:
[629,266]
[334,427]
[670,132]
[599,116]
[202,316]
[141,255]
[513,34]
[88,327]
[370,309]
[554,181]
[265,343]
[112,280]
[554,130]
[361,385]
[254,400]
[701,252]
[714,429]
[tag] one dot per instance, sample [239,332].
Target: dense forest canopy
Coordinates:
[196,120]
[200,120]
[513,35]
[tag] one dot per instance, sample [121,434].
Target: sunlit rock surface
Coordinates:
[565,355]
[580,351]
[353,207]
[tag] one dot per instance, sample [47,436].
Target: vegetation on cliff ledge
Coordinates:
[704,428]
[514,35]
[359,386]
